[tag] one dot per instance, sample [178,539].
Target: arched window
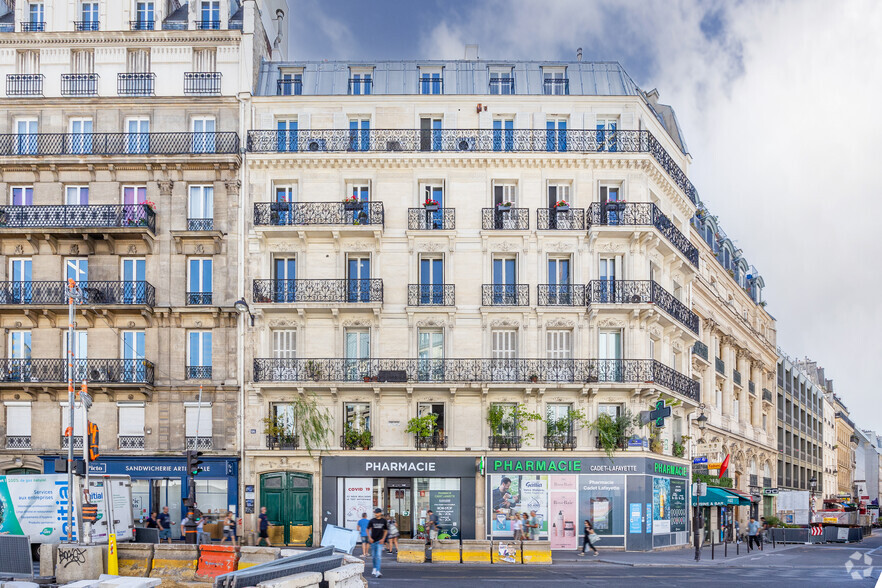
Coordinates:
[767,471]
[752,467]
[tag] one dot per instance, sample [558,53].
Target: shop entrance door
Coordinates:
[287,497]
[167,492]
[399,497]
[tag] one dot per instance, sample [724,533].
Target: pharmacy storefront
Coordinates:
[636,503]
[406,488]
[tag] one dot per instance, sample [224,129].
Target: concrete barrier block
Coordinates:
[411,551]
[348,576]
[446,551]
[506,552]
[302,580]
[536,552]
[129,582]
[48,559]
[174,564]
[135,559]
[287,552]
[78,562]
[474,551]
[251,556]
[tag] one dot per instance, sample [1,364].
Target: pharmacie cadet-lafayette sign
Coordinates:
[407,467]
[503,465]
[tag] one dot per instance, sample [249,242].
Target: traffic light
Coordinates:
[194,463]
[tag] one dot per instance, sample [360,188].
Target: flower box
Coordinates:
[352,204]
[504,206]
[431,205]
[562,205]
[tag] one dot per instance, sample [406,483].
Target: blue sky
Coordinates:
[778,103]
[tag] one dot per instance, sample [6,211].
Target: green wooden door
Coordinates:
[287,497]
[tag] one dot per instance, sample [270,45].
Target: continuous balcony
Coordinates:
[106,294]
[24,85]
[431,295]
[64,219]
[561,294]
[79,84]
[641,292]
[323,214]
[508,219]
[87,144]
[627,214]
[95,371]
[505,295]
[136,84]
[202,83]
[557,219]
[297,291]
[502,371]
[423,219]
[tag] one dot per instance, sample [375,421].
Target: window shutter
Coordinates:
[18,420]
[204,416]
[131,421]
[559,344]
[284,344]
[504,346]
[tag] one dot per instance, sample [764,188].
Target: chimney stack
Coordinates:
[579,54]
[471,52]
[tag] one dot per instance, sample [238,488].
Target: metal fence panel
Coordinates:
[15,555]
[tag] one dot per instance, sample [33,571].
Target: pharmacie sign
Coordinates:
[536,465]
[670,469]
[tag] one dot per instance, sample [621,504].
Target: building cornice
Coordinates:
[125,38]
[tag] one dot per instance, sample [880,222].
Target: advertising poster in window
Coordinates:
[678,506]
[564,526]
[517,494]
[358,498]
[661,505]
[445,504]
[602,499]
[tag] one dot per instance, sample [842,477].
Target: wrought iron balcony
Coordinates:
[283,441]
[55,293]
[430,442]
[24,84]
[431,295]
[559,442]
[286,214]
[289,87]
[430,85]
[502,86]
[87,216]
[200,224]
[767,395]
[504,441]
[135,84]
[550,219]
[641,214]
[199,298]
[751,387]
[561,294]
[701,350]
[641,292]
[130,442]
[86,25]
[34,26]
[199,443]
[208,25]
[119,144]
[142,25]
[199,83]
[297,291]
[736,377]
[421,219]
[79,84]
[505,295]
[513,219]
[18,442]
[101,371]
[354,444]
[720,366]
[77,443]
[359,86]
[198,372]
[556,87]
[521,371]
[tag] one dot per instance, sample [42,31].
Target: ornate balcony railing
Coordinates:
[200,224]
[283,441]
[504,441]
[736,377]
[431,295]
[202,83]
[642,214]
[751,387]
[561,294]
[142,25]
[86,25]
[767,395]
[199,443]
[672,305]
[284,214]
[296,291]
[99,371]
[55,293]
[556,87]
[420,219]
[505,295]
[119,144]
[129,442]
[77,443]
[79,84]
[135,84]
[720,366]
[34,26]
[513,219]
[353,444]
[24,84]
[701,350]
[87,216]
[641,292]
[559,442]
[523,371]
[430,442]
[198,372]
[18,442]
[360,86]
[502,86]
[289,88]
[208,25]
[551,219]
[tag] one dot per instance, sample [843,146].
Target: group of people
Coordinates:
[163,523]
[525,527]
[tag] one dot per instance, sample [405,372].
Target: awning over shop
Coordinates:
[747,498]
[718,497]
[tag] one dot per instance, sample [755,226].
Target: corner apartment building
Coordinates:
[457,239]
[846,444]
[119,162]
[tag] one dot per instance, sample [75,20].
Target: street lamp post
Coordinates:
[701,423]
[813,483]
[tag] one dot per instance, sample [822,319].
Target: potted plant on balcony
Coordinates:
[678,449]
[351,437]
[504,206]
[534,377]
[561,206]
[352,203]
[508,425]
[149,204]
[431,205]
[365,440]
[613,432]
[313,371]
[422,428]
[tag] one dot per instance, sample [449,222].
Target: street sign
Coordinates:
[702,459]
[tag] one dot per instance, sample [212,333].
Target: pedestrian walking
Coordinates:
[164,523]
[737,533]
[752,534]
[525,527]
[765,529]
[151,521]
[379,528]
[516,526]
[263,527]
[589,538]
[229,528]
[534,526]
[392,537]
[432,525]
[363,523]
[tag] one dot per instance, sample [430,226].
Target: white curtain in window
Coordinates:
[82,61]
[18,420]
[131,420]
[28,62]
[138,61]
[204,420]
[204,60]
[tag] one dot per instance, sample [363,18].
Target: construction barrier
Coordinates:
[251,556]
[445,551]
[536,552]
[79,562]
[174,564]
[411,551]
[504,552]
[476,551]
[215,560]
[48,558]
[135,559]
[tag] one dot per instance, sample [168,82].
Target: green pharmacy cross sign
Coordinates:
[660,413]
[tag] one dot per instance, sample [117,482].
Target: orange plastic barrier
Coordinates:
[215,560]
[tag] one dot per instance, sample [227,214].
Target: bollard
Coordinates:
[773,540]
[712,545]
[726,548]
[737,546]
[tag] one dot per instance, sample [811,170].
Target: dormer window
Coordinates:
[555,82]
[501,81]
[431,80]
[360,80]
[290,82]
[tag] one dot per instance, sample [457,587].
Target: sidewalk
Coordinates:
[672,557]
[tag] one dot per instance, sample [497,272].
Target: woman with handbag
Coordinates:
[590,538]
